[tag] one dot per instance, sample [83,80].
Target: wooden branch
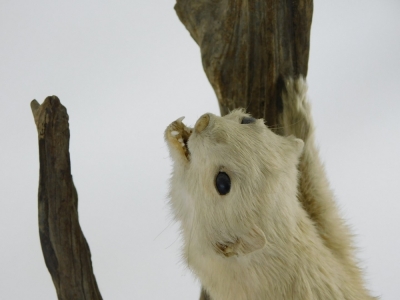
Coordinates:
[247,46]
[65,250]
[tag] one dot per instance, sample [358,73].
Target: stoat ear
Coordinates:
[297,144]
[247,243]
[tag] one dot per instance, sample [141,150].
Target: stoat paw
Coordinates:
[228,249]
[177,135]
[296,116]
[253,240]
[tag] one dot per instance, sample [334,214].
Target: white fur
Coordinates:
[260,241]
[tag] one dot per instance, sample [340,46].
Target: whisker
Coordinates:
[247,108]
[170,223]
[172,243]
[283,127]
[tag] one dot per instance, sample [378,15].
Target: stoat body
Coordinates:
[247,217]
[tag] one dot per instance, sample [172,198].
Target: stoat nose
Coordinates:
[202,123]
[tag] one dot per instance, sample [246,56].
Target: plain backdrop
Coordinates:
[125,70]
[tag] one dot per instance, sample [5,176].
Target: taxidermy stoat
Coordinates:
[252,227]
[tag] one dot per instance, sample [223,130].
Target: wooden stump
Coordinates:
[65,250]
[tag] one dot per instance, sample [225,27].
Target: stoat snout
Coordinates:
[177,135]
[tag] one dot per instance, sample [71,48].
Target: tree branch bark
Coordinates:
[65,250]
[247,48]
[246,45]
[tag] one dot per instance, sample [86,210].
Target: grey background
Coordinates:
[125,70]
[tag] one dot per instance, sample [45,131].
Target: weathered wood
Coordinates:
[65,250]
[247,46]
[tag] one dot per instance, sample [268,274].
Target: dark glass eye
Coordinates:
[248,120]
[223,183]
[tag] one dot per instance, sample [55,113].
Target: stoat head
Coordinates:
[231,180]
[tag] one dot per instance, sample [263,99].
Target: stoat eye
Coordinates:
[223,183]
[248,120]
